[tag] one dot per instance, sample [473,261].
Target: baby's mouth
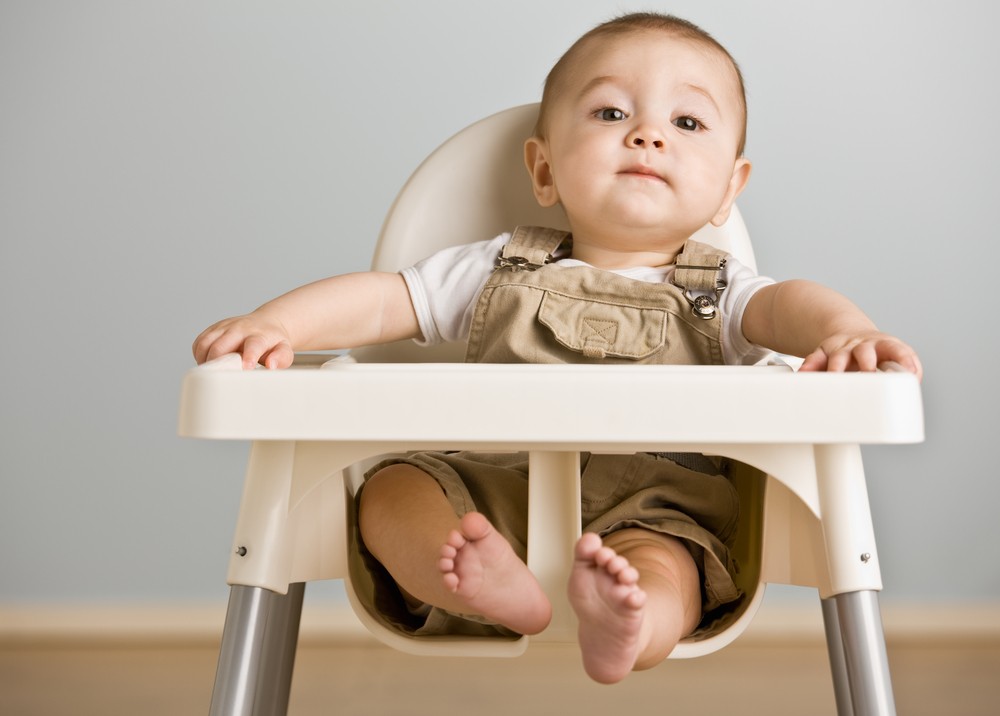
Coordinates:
[641,171]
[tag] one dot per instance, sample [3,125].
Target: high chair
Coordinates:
[805,516]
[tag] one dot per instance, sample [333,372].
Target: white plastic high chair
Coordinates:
[805,515]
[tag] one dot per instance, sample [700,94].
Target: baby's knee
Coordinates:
[382,487]
[396,486]
[384,479]
[655,551]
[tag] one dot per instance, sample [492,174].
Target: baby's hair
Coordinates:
[637,22]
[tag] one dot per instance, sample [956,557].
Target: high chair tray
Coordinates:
[457,405]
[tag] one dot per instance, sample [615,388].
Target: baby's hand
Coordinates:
[256,338]
[861,351]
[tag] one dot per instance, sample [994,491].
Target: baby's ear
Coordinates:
[741,175]
[537,161]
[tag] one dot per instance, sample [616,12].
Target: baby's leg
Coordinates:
[635,597]
[462,565]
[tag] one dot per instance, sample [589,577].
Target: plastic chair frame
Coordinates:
[316,426]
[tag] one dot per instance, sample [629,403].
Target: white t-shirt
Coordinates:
[444,289]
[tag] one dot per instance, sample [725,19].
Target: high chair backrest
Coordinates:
[473,187]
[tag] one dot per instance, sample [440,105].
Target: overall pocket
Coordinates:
[598,330]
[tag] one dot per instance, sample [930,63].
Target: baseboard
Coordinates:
[943,623]
[164,626]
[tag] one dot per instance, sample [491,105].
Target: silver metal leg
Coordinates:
[838,661]
[254,675]
[862,655]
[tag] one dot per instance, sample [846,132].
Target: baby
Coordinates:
[640,140]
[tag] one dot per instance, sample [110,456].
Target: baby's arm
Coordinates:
[805,319]
[340,312]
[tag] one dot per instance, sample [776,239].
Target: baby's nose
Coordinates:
[645,137]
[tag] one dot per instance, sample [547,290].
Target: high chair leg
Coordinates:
[858,655]
[838,661]
[854,578]
[254,674]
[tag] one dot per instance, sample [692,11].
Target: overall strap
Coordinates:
[698,273]
[530,247]
[699,266]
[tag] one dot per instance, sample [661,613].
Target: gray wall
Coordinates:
[163,165]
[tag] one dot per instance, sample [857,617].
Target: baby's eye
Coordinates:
[689,124]
[611,114]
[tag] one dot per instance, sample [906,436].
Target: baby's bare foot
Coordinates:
[608,602]
[481,569]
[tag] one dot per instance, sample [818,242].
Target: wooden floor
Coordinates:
[362,678]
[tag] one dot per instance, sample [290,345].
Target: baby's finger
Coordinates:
[904,356]
[203,343]
[199,349]
[842,359]
[254,347]
[815,361]
[226,342]
[865,357]
[281,356]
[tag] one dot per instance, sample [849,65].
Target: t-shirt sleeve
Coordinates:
[741,285]
[444,288]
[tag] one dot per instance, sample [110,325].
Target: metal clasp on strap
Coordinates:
[530,248]
[518,263]
[703,305]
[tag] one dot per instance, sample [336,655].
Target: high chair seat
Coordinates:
[805,517]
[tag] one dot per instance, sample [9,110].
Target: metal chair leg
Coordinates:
[254,674]
[865,658]
[838,661]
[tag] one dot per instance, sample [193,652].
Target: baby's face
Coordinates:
[641,142]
